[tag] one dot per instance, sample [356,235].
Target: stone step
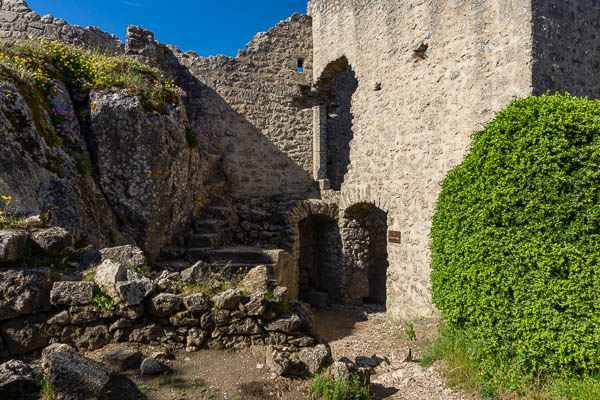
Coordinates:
[219,213]
[208,225]
[172,253]
[241,268]
[200,240]
[240,255]
[173,265]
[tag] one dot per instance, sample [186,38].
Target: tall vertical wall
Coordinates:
[429,73]
[256,104]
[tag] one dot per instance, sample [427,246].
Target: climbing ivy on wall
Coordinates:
[516,238]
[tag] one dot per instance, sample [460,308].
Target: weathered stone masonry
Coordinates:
[389,95]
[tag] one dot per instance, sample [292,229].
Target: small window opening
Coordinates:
[300,65]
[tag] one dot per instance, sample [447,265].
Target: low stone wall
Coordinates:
[90,307]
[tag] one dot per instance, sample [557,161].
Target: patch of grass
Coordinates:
[269,295]
[180,394]
[89,275]
[339,389]
[216,282]
[409,329]
[461,370]
[103,302]
[47,389]
[9,216]
[169,379]
[575,388]
[464,369]
[43,61]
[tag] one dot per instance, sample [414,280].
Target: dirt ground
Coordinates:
[351,332]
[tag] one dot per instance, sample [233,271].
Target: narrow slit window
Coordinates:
[300,65]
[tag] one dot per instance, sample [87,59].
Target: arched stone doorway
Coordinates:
[364,237]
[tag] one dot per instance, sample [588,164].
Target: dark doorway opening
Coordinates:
[320,260]
[365,243]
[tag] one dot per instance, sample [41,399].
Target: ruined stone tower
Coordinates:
[333,130]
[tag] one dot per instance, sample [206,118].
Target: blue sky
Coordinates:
[209,27]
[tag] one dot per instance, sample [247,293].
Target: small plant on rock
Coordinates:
[103,302]
[9,217]
[47,389]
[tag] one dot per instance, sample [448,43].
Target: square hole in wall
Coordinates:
[300,65]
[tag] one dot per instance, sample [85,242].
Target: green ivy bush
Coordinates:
[516,239]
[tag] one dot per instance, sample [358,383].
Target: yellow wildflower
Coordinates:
[6,197]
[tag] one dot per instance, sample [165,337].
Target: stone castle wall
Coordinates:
[429,74]
[251,108]
[389,95]
[256,105]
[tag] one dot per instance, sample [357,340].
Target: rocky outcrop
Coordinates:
[146,169]
[44,172]
[125,175]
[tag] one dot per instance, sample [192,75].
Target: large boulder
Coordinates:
[24,291]
[315,358]
[53,241]
[72,293]
[26,334]
[72,375]
[147,171]
[257,280]
[108,274]
[228,300]
[17,380]
[129,256]
[12,244]
[283,362]
[163,304]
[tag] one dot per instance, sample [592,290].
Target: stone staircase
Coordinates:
[210,240]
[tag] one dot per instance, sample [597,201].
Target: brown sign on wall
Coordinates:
[395,237]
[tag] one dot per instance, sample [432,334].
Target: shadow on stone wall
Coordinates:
[247,155]
[566,47]
[339,126]
[336,86]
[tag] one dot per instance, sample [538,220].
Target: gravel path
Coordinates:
[354,331]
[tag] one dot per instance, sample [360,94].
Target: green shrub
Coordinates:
[515,238]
